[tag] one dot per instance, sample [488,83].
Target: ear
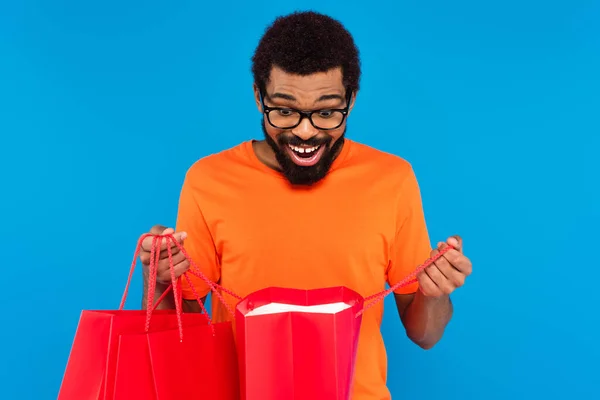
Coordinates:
[257,98]
[352,102]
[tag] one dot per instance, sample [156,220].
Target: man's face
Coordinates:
[304,151]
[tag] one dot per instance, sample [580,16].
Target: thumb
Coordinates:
[168,231]
[456,242]
[157,229]
[179,236]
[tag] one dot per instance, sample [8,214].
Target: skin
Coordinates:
[303,93]
[163,277]
[424,314]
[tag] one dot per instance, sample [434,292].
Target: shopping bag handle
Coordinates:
[197,272]
[175,284]
[370,301]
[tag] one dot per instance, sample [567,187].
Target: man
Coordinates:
[308,208]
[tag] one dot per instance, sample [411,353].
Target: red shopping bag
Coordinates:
[151,354]
[302,344]
[205,366]
[298,344]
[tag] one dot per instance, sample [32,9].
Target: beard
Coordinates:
[303,175]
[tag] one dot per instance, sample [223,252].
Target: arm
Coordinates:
[424,318]
[426,314]
[199,245]
[425,307]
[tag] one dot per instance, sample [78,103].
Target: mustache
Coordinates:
[296,141]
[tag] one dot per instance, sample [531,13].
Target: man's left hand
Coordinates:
[448,272]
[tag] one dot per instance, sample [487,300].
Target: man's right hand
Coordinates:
[180,263]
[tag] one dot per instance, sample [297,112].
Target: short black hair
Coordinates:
[305,43]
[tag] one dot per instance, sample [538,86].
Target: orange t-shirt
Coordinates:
[361,227]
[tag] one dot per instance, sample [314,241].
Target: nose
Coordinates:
[305,130]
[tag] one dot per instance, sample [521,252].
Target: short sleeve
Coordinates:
[411,245]
[199,243]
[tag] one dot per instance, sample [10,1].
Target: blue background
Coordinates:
[104,106]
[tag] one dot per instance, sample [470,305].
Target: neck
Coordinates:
[265,154]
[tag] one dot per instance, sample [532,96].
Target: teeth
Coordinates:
[303,149]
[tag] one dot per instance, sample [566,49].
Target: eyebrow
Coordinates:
[289,97]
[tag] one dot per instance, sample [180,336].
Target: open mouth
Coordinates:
[305,156]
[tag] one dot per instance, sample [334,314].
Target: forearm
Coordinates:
[426,318]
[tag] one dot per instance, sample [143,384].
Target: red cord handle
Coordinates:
[370,301]
[175,285]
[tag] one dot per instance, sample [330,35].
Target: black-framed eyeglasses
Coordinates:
[289,118]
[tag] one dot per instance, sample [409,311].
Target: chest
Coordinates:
[342,228]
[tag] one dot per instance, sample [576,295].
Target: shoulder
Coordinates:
[213,165]
[383,164]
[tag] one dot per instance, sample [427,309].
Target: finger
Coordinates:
[157,229]
[163,264]
[145,257]
[442,264]
[459,262]
[178,269]
[168,231]
[427,286]
[163,272]
[164,254]
[179,237]
[147,242]
[440,280]
[456,242]
[452,275]
[181,268]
